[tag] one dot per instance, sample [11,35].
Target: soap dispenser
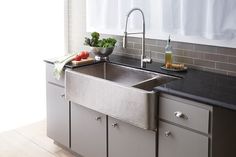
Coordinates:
[168,53]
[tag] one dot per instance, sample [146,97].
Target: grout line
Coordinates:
[225,62]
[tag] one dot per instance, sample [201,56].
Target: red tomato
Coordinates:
[77,58]
[82,55]
[86,54]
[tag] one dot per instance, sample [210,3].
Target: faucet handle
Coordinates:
[150,54]
[148,59]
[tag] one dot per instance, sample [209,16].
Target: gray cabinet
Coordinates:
[185,114]
[57,114]
[88,132]
[178,142]
[57,108]
[184,128]
[125,140]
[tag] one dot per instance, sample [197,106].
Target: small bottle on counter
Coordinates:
[168,53]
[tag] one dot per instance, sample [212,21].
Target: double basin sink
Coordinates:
[119,91]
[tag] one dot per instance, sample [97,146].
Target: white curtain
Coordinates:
[212,19]
[111,14]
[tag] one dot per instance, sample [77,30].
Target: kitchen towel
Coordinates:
[60,63]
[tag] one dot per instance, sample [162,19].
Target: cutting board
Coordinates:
[83,61]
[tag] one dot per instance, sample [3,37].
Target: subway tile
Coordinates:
[215,71]
[128,50]
[119,49]
[135,40]
[185,60]
[204,63]
[178,52]
[118,53]
[197,56]
[225,66]
[130,45]
[216,57]
[223,72]
[132,51]
[192,54]
[138,46]
[232,59]
[128,55]
[156,48]
[158,60]
[182,46]
[161,43]
[157,55]
[133,56]
[226,51]
[150,41]
[205,48]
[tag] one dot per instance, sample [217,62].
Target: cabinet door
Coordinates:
[57,115]
[88,132]
[178,142]
[125,140]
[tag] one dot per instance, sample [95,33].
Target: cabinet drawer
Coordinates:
[177,142]
[186,115]
[50,77]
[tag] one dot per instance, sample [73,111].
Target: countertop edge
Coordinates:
[195,98]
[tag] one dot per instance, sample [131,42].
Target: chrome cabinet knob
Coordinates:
[167,133]
[98,118]
[63,96]
[179,114]
[114,125]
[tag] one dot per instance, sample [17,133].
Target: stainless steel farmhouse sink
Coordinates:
[119,91]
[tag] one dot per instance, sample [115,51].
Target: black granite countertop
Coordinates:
[205,87]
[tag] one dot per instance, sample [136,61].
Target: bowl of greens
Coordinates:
[101,48]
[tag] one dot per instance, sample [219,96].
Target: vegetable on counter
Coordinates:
[81,55]
[95,42]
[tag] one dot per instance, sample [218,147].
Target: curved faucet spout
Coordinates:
[129,13]
[144,60]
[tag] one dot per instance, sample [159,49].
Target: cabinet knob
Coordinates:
[179,114]
[63,96]
[114,125]
[167,133]
[98,118]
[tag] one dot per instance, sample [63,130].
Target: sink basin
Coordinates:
[126,75]
[119,91]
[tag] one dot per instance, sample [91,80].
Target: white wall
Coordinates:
[77,25]
[30,31]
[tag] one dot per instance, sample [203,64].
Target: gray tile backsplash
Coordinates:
[208,58]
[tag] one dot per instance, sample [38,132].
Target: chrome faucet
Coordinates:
[144,59]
